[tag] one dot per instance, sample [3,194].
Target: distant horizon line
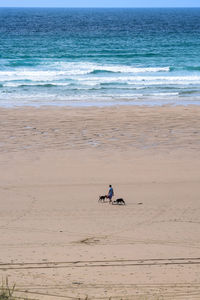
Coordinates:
[99,7]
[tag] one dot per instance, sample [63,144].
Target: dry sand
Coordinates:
[58,242]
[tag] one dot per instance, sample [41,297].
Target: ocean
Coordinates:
[99,57]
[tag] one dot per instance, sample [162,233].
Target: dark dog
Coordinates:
[119,201]
[103,198]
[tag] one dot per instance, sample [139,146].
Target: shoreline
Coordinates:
[103,105]
[97,106]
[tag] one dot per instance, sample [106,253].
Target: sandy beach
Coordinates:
[58,242]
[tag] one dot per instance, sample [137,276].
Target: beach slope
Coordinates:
[57,240]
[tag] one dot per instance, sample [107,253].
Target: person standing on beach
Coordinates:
[110,193]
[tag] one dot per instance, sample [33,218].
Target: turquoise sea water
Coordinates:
[91,56]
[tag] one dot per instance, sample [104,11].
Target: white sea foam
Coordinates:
[37,83]
[62,78]
[164,94]
[42,78]
[31,75]
[144,80]
[83,83]
[60,70]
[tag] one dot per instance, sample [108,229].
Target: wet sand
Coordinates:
[57,241]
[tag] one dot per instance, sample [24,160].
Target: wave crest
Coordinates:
[128,69]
